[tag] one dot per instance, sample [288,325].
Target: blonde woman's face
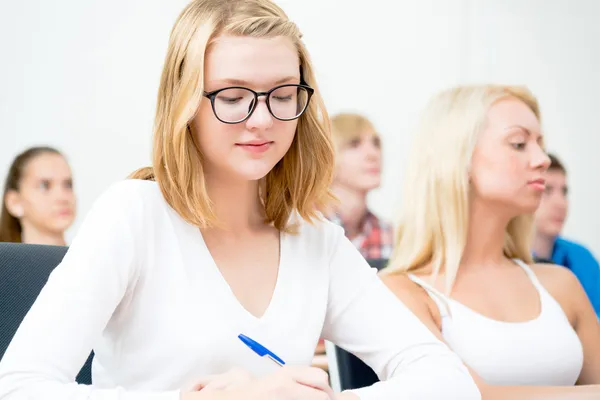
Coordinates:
[250,149]
[509,165]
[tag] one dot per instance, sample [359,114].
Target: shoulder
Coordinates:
[552,273]
[402,285]
[130,195]
[561,283]
[555,277]
[318,233]
[412,295]
[574,249]
[128,204]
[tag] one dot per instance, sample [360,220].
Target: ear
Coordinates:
[13,204]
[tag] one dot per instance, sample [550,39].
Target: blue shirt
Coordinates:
[583,264]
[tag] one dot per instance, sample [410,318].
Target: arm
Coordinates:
[365,318]
[418,302]
[566,288]
[587,269]
[70,313]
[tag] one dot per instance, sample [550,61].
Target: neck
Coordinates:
[485,238]
[237,204]
[351,209]
[32,235]
[543,245]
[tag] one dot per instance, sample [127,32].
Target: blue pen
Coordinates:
[261,350]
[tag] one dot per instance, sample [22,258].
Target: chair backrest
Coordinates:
[24,270]
[346,370]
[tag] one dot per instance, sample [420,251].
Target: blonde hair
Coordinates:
[432,228]
[299,182]
[346,127]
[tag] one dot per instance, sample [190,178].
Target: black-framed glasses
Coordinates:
[236,104]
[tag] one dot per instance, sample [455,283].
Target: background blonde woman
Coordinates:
[462,257]
[165,273]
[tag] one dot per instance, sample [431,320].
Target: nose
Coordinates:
[63,195]
[372,151]
[540,159]
[261,118]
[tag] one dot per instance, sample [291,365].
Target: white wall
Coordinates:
[83,76]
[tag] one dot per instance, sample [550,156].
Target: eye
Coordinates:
[376,142]
[518,146]
[229,100]
[44,184]
[354,143]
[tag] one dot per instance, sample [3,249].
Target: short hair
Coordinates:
[556,164]
[346,127]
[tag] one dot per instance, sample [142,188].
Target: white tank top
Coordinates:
[544,351]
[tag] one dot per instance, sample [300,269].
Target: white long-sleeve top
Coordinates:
[139,286]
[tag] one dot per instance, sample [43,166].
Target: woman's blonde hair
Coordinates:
[299,182]
[346,127]
[432,228]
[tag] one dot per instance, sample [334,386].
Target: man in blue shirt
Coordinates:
[548,245]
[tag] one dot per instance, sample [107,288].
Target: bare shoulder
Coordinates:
[414,297]
[556,278]
[401,285]
[563,285]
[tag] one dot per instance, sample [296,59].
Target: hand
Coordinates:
[231,379]
[289,383]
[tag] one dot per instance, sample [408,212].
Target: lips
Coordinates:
[256,146]
[254,143]
[539,181]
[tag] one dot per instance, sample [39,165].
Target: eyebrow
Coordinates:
[241,82]
[521,127]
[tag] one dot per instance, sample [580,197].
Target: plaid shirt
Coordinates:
[376,239]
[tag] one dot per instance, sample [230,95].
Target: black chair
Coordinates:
[352,372]
[541,260]
[24,270]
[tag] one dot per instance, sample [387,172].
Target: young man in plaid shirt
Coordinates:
[358,171]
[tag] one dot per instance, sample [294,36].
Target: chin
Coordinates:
[61,226]
[252,174]
[368,186]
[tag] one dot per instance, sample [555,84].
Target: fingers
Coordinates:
[229,380]
[314,378]
[202,382]
[302,392]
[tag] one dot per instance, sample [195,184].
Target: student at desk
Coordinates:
[221,238]
[462,259]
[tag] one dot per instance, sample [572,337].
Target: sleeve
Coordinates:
[366,319]
[72,310]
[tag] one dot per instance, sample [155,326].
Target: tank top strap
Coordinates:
[440,300]
[532,276]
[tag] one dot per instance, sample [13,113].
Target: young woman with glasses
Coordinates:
[221,238]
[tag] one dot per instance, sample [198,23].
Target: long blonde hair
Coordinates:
[299,182]
[432,228]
